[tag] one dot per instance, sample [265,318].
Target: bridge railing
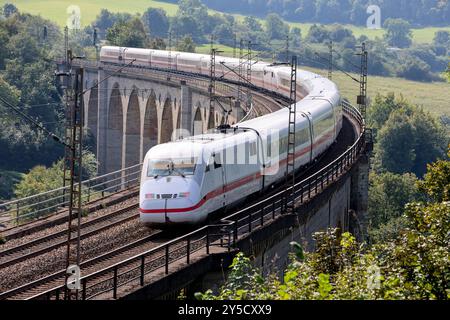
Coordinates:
[259,214]
[194,79]
[136,270]
[40,205]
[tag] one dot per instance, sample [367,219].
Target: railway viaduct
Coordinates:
[131,111]
[128,110]
[136,109]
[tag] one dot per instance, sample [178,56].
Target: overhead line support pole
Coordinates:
[291,143]
[330,66]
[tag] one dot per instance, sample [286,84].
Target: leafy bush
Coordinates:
[413,266]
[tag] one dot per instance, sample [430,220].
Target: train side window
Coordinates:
[210,164]
[217,162]
[252,148]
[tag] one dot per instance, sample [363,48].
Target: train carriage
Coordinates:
[184,181]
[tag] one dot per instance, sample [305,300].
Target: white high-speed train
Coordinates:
[184,181]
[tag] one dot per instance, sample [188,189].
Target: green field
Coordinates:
[434,97]
[206,49]
[424,35]
[56,10]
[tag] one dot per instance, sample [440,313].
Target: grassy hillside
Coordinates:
[55,10]
[424,35]
[434,97]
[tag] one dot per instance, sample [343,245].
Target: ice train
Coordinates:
[185,181]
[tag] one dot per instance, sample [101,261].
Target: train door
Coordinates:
[217,184]
[218,161]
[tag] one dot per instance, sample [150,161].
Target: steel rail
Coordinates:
[224,235]
[16,255]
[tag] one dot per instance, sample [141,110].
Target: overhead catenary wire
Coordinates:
[33,122]
[107,77]
[347,60]
[327,63]
[39,125]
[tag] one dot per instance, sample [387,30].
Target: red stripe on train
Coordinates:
[234,185]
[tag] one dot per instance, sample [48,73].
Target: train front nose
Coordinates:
[169,201]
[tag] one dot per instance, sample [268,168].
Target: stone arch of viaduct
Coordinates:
[127,115]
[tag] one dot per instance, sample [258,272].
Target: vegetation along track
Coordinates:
[53,241]
[37,287]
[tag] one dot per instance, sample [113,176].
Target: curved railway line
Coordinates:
[58,218]
[46,244]
[37,287]
[41,285]
[98,268]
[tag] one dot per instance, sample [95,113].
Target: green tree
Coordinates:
[388,195]
[186,45]
[409,140]
[395,147]
[41,179]
[156,21]
[106,20]
[224,34]
[382,107]
[186,25]
[276,28]
[442,38]
[412,267]
[3,45]
[318,34]
[158,43]
[192,10]
[9,9]
[295,35]
[252,24]
[28,68]
[398,33]
[436,183]
[430,140]
[415,69]
[9,121]
[338,33]
[131,33]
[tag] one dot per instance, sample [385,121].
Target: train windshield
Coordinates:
[169,167]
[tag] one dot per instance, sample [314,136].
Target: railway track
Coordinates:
[53,241]
[38,287]
[56,279]
[60,218]
[56,240]
[48,243]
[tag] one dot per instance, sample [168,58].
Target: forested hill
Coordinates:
[417,12]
